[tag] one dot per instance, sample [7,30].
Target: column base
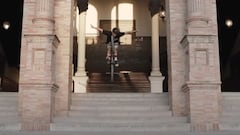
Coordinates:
[80,84]
[80,73]
[204,127]
[25,126]
[37,106]
[203,105]
[156,84]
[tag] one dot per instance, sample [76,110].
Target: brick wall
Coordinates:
[64,31]
[176,10]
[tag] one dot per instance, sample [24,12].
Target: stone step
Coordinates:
[8,108]
[121,108]
[230,114]
[229,119]
[121,128]
[123,82]
[10,127]
[119,90]
[230,126]
[118,86]
[233,104]
[130,81]
[117,75]
[9,119]
[120,112]
[9,98]
[8,94]
[230,109]
[118,79]
[104,103]
[154,120]
[231,95]
[120,95]
[121,101]
[118,99]
[8,113]
[146,114]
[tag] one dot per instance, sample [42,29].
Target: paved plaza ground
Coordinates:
[117,133]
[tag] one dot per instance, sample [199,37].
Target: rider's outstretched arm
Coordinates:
[130,32]
[99,29]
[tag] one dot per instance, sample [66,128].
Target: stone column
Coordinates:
[80,78]
[37,85]
[155,46]
[196,19]
[43,20]
[81,71]
[202,85]
[156,78]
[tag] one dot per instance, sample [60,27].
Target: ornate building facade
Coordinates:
[46,71]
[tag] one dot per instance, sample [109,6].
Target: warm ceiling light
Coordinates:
[6,25]
[229,23]
[162,14]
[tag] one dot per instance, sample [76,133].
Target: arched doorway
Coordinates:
[130,44]
[135,49]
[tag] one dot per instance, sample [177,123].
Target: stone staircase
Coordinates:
[120,112]
[123,82]
[9,119]
[230,118]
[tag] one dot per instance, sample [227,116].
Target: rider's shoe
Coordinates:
[116,65]
[116,62]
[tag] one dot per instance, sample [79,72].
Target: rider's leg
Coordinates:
[116,55]
[115,52]
[108,51]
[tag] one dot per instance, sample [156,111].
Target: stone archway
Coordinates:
[80,78]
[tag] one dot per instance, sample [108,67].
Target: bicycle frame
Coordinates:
[112,59]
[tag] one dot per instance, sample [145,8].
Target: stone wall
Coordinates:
[64,31]
[176,15]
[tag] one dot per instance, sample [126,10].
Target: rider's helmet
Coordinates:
[116,30]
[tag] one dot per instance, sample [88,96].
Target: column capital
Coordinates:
[82,5]
[44,16]
[154,6]
[80,73]
[196,13]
